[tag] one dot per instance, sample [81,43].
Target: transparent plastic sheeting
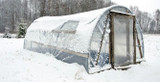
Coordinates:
[123,40]
[63,56]
[103,61]
[69,26]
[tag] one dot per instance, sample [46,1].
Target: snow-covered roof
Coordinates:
[43,29]
[52,22]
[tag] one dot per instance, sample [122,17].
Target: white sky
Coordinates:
[143,5]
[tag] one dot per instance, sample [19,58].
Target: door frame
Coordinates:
[111,36]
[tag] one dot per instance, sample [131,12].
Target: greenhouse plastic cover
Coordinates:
[80,33]
[41,30]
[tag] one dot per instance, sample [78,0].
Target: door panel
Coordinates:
[123,40]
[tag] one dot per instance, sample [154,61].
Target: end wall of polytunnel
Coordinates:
[99,47]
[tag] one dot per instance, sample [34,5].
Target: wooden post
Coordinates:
[139,46]
[134,39]
[111,41]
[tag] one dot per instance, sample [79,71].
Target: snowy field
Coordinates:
[19,65]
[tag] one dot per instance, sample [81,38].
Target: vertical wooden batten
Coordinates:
[134,39]
[139,46]
[111,40]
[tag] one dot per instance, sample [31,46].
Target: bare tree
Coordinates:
[157,18]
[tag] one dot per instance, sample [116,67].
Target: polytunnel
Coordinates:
[100,39]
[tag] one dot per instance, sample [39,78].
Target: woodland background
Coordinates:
[16,12]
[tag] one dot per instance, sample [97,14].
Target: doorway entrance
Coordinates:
[122,39]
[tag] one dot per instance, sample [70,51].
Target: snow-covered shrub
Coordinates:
[21,30]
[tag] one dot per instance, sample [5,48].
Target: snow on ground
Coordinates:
[19,65]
